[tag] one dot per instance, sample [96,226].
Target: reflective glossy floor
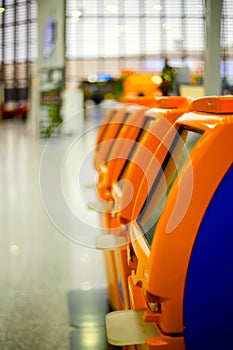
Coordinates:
[52,281]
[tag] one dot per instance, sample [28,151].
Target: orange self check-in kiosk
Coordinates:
[109,130]
[119,218]
[116,118]
[130,135]
[129,115]
[105,143]
[137,167]
[154,125]
[181,241]
[116,261]
[109,118]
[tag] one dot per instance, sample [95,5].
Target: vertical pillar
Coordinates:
[212,77]
[54,9]
[47,86]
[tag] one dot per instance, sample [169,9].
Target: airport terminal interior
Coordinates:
[116,140]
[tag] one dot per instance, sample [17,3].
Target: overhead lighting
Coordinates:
[92,78]
[112,8]
[121,29]
[76,15]
[157,7]
[167,26]
[2,9]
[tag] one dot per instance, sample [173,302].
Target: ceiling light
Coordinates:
[92,78]
[112,8]
[76,15]
[157,7]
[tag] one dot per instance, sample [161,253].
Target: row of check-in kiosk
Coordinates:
[165,177]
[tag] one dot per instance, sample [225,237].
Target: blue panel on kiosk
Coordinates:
[208,305]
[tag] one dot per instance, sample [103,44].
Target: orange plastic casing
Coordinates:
[115,219]
[159,102]
[161,270]
[143,155]
[169,107]
[109,130]
[147,101]
[163,119]
[119,149]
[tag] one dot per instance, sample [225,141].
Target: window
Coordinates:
[132,34]
[18,36]
[227,43]
[117,34]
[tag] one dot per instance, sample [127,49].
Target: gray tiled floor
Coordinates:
[39,266]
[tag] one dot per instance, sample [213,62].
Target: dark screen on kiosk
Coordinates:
[145,127]
[179,152]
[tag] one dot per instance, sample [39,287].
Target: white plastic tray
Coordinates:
[128,328]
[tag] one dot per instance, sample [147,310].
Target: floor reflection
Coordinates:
[87,311]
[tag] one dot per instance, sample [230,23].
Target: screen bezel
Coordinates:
[157,181]
[143,130]
[120,125]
